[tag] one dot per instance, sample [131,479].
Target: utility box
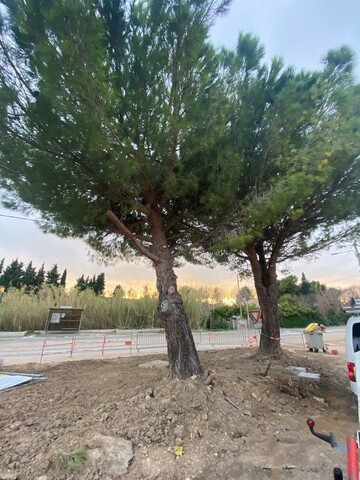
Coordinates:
[64,320]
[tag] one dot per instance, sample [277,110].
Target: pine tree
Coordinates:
[295,137]
[13,275]
[40,278]
[119,145]
[53,276]
[288,285]
[81,283]
[89,282]
[305,285]
[29,279]
[63,278]
[99,284]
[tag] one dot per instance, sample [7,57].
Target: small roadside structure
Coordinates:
[64,319]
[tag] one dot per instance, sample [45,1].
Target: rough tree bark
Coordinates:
[182,355]
[265,281]
[183,358]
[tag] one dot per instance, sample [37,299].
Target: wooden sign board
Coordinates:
[64,319]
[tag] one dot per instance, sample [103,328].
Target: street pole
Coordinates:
[357,253]
[238,287]
[247,313]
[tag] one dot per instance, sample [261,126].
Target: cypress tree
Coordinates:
[63,278]
[29,279]
[52,276]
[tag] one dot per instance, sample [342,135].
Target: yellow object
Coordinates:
[311,327]
[178,451]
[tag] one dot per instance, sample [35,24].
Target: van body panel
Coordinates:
[352,345]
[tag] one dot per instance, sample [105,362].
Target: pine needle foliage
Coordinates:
[111,105]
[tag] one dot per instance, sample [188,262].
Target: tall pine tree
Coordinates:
[63,278]
[99,284]
[81,283]
[110,126]
[29,279]
[13,276]
[296,139]
[2,265]
[40,278]
[53,276]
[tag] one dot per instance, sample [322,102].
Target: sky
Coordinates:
[300,31]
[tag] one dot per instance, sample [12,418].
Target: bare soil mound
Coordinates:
[127,419]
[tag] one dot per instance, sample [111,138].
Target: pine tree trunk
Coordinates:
[183,358]
[265,280]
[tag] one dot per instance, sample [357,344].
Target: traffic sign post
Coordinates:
[255,316]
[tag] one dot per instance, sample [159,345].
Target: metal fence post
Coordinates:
[103,346]
[42,350]
[72,345]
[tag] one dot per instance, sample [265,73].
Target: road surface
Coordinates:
[86,345]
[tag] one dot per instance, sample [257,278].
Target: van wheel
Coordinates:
[316,350]
[324,350]
[310,349]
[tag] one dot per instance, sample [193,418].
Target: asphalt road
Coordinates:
[87,345]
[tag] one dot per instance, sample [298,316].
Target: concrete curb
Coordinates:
[42,333]
[12,334]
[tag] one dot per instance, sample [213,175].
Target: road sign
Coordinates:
[255,315]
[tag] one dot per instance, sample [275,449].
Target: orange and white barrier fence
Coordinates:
[138,341]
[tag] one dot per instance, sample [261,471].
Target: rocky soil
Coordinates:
[127,419]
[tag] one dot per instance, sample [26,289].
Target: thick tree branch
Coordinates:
[18,75]
[131,237]
[280,241]
[242,257]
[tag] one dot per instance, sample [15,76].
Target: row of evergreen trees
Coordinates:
[95,283]
[17,275]
[290,285]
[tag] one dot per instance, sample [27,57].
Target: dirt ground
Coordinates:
[245,422]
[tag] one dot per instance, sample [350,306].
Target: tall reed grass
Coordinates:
[20,311]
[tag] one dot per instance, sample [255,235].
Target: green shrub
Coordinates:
[218,323]
[301,319]
[75,460]
[226,311]
[289,305]
[336,317]
[293,315]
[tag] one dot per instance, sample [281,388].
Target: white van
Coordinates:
[352,345]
